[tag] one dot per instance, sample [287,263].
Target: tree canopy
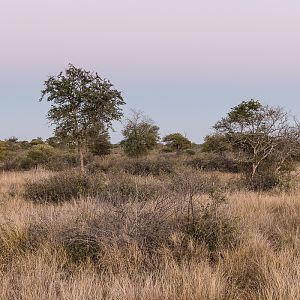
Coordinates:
[83,105]
[177,142]
[140,135]
[258,134]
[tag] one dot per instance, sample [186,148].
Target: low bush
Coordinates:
[190,151]
[189,182]
[63,187]
[261,182]
[124,188]
[62,160]
[12,240]
[81,244]
[214,162]
[149,167]
[212,227]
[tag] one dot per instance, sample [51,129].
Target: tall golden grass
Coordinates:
[34,265]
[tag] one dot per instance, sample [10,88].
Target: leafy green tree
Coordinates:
[140,135]
[82,105]
[177,142]
[216,143]
[259,135]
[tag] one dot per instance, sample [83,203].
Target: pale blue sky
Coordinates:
[184,63]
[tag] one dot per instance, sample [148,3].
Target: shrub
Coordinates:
[81,243]
[177,142]
[212,227]
[149,167]
[125,188]
[214,162]
[192,183]
[190,152]
[140,135]
[12,240]
[63,187]
[40,154]
[261,182]
[63,159]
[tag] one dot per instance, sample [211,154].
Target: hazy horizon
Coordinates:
[184,63]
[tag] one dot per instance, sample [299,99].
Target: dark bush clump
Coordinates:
[123,188]
[149,167]
[63,187]
[261,182]
[214,162]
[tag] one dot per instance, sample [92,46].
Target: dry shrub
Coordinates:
[213,228]
[12,240]
[134,166]
[284,229]
[100,228]
[145,226]
[254,271]
[91,248]
[149,166]
[187,181]
[214,162]
[63,187]
[125,187]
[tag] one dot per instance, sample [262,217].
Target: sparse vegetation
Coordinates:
[194,224]
[63,187]
[139,232]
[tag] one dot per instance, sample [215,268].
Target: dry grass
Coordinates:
[37,240]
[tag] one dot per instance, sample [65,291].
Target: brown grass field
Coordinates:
[88,248]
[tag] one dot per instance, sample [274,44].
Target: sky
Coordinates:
[184,63]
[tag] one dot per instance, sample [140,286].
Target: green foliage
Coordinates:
[40,154]
[140,135]
[63,187]
[216,143]
[83,105]
[261,137]
[177,142]
[244,113]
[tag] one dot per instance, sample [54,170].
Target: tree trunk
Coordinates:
[80,156]
[254,168]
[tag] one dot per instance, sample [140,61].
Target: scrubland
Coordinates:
[168,233]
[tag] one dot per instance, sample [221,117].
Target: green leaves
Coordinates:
[140,135]
[82,103]
[177,142]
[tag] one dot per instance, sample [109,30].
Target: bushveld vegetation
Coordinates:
[81,218]
[184,234]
